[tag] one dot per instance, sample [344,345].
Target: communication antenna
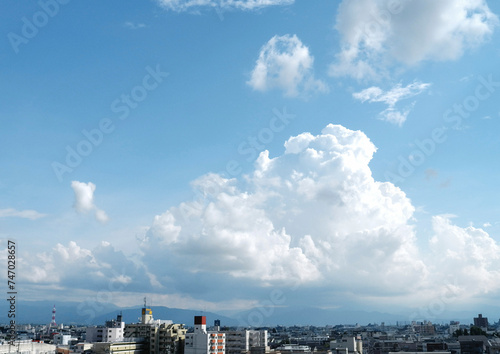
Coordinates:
[53,323]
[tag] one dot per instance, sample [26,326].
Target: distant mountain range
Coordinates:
[40,312]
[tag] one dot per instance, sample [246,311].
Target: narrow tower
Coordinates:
[53,323]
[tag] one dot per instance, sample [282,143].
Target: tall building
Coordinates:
[481,322]
[145,329]
[159,336]
[203,342]
[168,338]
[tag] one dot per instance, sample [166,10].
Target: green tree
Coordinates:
[476,331]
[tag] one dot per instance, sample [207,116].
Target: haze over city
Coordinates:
[230,155]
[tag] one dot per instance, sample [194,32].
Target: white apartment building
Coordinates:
[62,339]
[112,332]
[351,345]
[203,342]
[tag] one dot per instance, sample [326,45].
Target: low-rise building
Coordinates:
[27,347]
[131,347]
[349,345]
[238,342]
[113,331]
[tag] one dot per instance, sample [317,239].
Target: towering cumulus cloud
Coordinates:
[314,214]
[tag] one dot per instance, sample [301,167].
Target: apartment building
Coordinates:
[202,341]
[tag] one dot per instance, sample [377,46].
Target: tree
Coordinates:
[476,331]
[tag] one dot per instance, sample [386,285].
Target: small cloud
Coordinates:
[134,26]
[25,214]
[122,279]
[486,224]
[486,117]
[84,200]
[391,98]
[285,63]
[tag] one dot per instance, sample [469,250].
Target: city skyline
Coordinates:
[229,155]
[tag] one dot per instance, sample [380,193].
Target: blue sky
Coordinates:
[205,153]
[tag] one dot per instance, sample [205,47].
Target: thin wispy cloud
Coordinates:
[25,214]
[391,98]
[186,5]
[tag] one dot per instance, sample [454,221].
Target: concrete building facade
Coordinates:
[351,345]
[160,337]
[243,341]
[203,342]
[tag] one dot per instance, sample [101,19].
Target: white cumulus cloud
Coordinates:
[312,219]
[84,200]
[470,255]
[285,63]
[76,267]
[376,34]
[313,214]
[391,98]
